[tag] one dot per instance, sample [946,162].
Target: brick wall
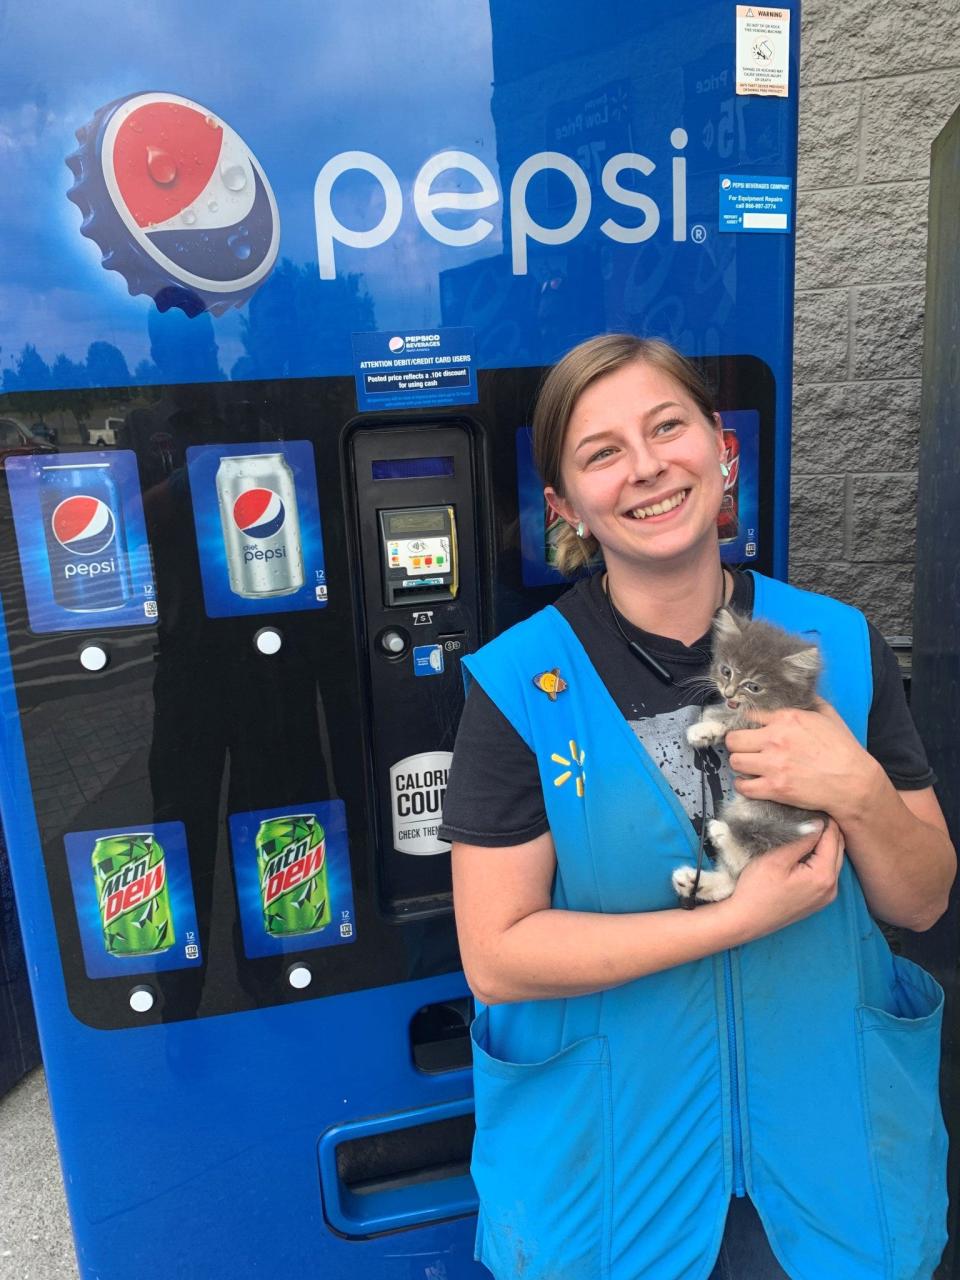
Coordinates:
[878,81]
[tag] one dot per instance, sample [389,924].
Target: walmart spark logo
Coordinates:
[575,762]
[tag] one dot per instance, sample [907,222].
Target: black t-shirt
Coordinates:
[494,797]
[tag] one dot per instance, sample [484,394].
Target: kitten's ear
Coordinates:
[726,624]
[807,661]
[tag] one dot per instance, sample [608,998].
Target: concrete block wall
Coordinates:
[877,83]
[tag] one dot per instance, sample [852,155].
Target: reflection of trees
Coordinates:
[292,324]
[296,319]
[33,388]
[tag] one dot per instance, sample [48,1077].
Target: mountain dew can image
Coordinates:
[130,873]
[292,862]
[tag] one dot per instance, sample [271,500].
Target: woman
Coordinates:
[640,1069]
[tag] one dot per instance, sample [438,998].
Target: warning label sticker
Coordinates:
[763,51]
[417,785]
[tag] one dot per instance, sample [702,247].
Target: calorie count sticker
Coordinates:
[417,787]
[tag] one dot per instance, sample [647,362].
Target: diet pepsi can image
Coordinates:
[130,874]
[292,867]
[261,525]
[83,527]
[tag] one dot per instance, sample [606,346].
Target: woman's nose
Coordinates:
[645,463]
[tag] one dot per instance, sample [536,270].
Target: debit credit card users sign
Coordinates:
[415,368]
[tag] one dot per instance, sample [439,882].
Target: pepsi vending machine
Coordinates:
[278,295]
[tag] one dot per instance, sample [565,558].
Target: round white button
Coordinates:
[142,999]
[93,658]
[393,642]
[268,641]
[299,977]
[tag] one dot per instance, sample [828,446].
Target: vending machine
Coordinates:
[280,288]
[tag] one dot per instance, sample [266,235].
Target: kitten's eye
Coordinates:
[748,686]
[725,672]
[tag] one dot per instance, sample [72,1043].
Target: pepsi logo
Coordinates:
[83,525]
[185,193]
[258,513]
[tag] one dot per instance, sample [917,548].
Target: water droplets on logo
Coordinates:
[83,525]
[258,513]
[176,201]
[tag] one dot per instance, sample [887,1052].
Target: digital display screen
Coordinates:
[410,468]
[417,522]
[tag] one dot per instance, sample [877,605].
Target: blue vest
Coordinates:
[801,1069]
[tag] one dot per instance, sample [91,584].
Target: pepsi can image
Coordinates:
[83,527]
[261,525]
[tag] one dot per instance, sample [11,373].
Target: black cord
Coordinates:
[689,903]
[648,660]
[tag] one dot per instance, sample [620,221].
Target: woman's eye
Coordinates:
[601,454]
[663,428]
[749,687]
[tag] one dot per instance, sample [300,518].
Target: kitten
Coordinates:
[756,666]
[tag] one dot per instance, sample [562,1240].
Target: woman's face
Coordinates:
[641,468]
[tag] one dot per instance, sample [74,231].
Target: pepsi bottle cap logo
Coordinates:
[259,513]
[83,525]
[177,201]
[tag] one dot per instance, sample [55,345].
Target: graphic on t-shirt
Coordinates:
[664,738]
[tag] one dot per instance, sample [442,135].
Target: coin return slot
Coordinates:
[440,1036]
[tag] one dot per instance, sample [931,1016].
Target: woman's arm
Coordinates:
[897,840]
[515,946]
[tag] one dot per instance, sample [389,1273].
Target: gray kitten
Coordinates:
[755,666]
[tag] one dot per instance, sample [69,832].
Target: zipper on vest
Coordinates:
[739,1178]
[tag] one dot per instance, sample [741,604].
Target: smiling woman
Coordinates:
[642,1050]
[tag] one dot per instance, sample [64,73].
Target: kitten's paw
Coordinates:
[705,733]
[714,886]
[684,879]
[717,830]
[808,828]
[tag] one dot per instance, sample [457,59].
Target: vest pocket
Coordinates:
[901,1062]
[542,1161]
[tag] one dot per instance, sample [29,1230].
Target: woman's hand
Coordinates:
[804,758]
[787,884]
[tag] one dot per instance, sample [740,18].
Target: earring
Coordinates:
[580,529]
[724,470]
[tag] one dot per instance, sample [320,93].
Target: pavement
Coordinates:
[35,1239]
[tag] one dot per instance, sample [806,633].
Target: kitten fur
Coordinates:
[756,666]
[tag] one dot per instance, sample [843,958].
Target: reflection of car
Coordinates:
[43,431]
[15,439]
[107,434]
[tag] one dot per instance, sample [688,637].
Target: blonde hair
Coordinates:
[562,388]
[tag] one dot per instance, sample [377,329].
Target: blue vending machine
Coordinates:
[279,290]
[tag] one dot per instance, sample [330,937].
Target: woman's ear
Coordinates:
[561,506]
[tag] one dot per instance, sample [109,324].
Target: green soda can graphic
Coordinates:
[292,862]
[130,873]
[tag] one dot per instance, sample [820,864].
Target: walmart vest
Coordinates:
[800,1069]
